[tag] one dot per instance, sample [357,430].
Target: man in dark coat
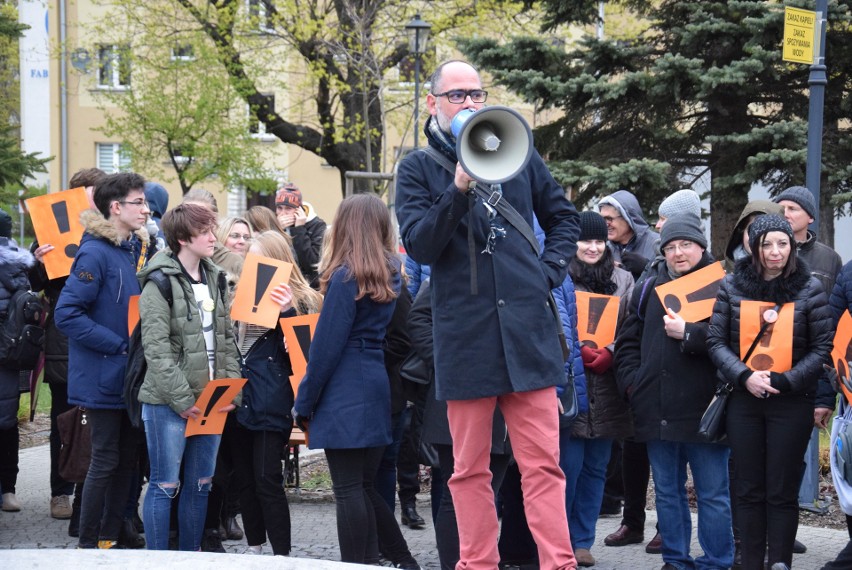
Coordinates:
[495,338]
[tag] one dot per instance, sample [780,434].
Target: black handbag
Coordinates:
[711,427]
[570,404]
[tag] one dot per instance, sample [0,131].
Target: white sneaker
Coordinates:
[254,549]
[60,507]
[11,503]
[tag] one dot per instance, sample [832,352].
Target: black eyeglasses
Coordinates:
[458,96]
[137,203]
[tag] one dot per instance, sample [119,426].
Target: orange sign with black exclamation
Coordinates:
[251,299]
[774,350]
[841,354]
[597,317]
[215,396]
[298,332]
[693,296]
[56,221]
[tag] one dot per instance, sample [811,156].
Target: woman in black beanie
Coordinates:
[770,413]
[604,415]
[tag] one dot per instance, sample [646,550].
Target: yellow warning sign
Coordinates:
[799,35]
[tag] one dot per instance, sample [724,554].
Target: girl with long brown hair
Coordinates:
[344,398]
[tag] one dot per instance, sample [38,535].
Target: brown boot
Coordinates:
[624,536]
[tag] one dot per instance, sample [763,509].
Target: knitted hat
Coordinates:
[801,196]
[5,224]
[769,223]
[682,201]
[683,226]
[288,195]
[592,226]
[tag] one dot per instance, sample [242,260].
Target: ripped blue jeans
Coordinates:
[167,449]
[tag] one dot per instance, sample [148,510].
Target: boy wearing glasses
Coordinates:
[92,312]
[495,338]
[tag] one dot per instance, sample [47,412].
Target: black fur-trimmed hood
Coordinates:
[779,290]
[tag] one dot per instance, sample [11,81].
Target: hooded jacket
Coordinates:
[14,264]
[734,250]
[813,326]
[644,240]
[92,311]
[173,338]
[307,243]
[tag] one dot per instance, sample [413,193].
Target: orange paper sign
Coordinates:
[693,296]
[774,351]
[597,316]
[217,394]
[132,314]
[298,332]
[56,221]
[842,352]
[251,299]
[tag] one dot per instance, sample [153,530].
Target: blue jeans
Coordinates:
[709,465]
[584,463]
[167,449]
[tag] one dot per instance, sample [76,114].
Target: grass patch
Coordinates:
[321,480]
[42,406]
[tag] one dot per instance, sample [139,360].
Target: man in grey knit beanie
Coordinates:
[681,202]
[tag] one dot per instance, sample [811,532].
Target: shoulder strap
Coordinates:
[222,282]
[163,283]
[493,199]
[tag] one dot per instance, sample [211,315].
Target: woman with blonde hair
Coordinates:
[264,422]
[344,398]
[235,234]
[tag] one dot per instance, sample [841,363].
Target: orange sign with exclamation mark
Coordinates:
[251,299]
[841,353]
[597,316]
[56,221]
[693,296]
[299,332]
[774,351]
[216,395]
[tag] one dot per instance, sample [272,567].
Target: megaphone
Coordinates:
[493,144]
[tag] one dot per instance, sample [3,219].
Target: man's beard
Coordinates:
[445,123]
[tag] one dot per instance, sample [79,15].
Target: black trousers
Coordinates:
[258,457]
[636,470]
[768,438]
[365,524]
[114,456]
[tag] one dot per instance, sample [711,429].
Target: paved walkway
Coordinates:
[314,538]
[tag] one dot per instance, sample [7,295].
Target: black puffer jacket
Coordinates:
[813,327]
[669,382]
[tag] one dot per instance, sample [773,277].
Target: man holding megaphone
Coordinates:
[495,336]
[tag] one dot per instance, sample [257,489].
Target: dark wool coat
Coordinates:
[669,382]
[55,342]
[813,326]
[503,338]
[92,312]
[345,392]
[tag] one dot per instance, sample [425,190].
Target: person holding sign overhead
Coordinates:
[187,343]
[770,411]
[664,370]
[604,415]
[344,399]
[264,416]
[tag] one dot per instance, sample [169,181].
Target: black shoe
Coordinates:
[410,517]
[212,541]
[128,537]
[799,548]
[408,564]
[232,529]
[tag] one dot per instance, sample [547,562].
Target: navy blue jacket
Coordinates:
[346,392]
[841,295]
[14,266]
[503,338]
[92,312]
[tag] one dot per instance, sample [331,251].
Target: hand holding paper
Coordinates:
[674,324]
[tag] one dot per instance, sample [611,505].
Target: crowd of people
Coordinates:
[449,356]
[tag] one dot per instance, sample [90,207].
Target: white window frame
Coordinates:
[260,9]
[257,128]
[182,52]
[111,59]
[112,157]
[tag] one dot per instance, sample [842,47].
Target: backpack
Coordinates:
[21,333]
[137,366]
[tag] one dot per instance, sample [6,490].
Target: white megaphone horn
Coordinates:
[493,144]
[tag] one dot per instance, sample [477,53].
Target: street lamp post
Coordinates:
[418,36]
